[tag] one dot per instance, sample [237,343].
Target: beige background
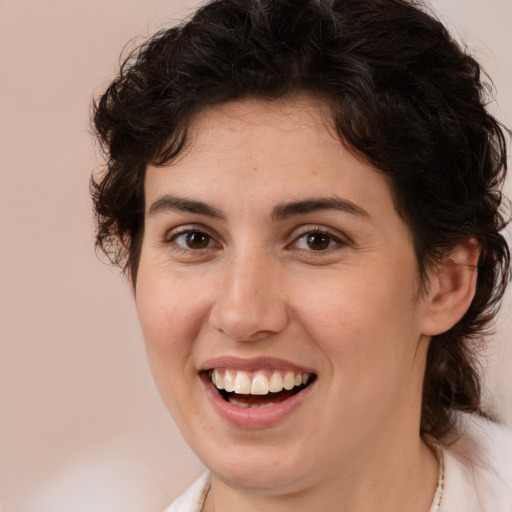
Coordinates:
[81,426]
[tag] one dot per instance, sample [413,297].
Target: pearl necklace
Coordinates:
[438,495]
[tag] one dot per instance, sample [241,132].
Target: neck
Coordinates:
[404,478]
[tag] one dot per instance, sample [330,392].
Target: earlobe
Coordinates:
[452,288]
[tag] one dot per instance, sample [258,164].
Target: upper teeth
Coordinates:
[241,383]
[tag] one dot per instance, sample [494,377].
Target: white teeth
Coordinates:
[260,385]
[276,383]
[234,401]
[240,382]
[217,379]
[289,381]
[229,381]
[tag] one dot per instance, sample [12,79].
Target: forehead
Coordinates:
[277,125]
[275,151]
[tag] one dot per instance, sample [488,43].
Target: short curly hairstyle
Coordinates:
[403,95]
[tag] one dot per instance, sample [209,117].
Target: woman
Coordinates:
[306,197]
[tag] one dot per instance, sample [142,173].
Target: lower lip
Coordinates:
[257,417]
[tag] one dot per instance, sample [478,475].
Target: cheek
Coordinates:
[368,335]
[167,310]
[169,329]
[362,324]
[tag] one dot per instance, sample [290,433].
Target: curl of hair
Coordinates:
[403,95]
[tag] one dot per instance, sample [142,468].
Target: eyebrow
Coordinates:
[182,204]
[281,211]
[310,205]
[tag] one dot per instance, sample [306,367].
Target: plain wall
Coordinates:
[81,425]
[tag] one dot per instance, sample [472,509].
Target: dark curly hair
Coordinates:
[403,96]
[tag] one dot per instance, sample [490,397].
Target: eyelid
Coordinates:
[183,228]
[341,239]
[173,233]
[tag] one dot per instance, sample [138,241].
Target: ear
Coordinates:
[452,288]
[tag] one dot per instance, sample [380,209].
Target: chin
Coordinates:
[261,468]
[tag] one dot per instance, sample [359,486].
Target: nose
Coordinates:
[249,305]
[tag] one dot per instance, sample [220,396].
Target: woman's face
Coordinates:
[271,256]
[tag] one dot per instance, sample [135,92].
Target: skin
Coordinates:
[351,311]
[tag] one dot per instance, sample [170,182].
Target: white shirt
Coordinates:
[478,468]
[192,499]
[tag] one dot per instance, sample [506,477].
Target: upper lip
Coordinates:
[253,364]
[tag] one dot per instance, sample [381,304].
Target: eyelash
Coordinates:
[334,241]
[188,230]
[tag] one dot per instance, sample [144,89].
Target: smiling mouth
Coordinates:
[260,388]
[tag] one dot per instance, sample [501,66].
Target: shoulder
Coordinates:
[478,468]
[193,498]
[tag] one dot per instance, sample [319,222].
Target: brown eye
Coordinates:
[318,241]
[195,240]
